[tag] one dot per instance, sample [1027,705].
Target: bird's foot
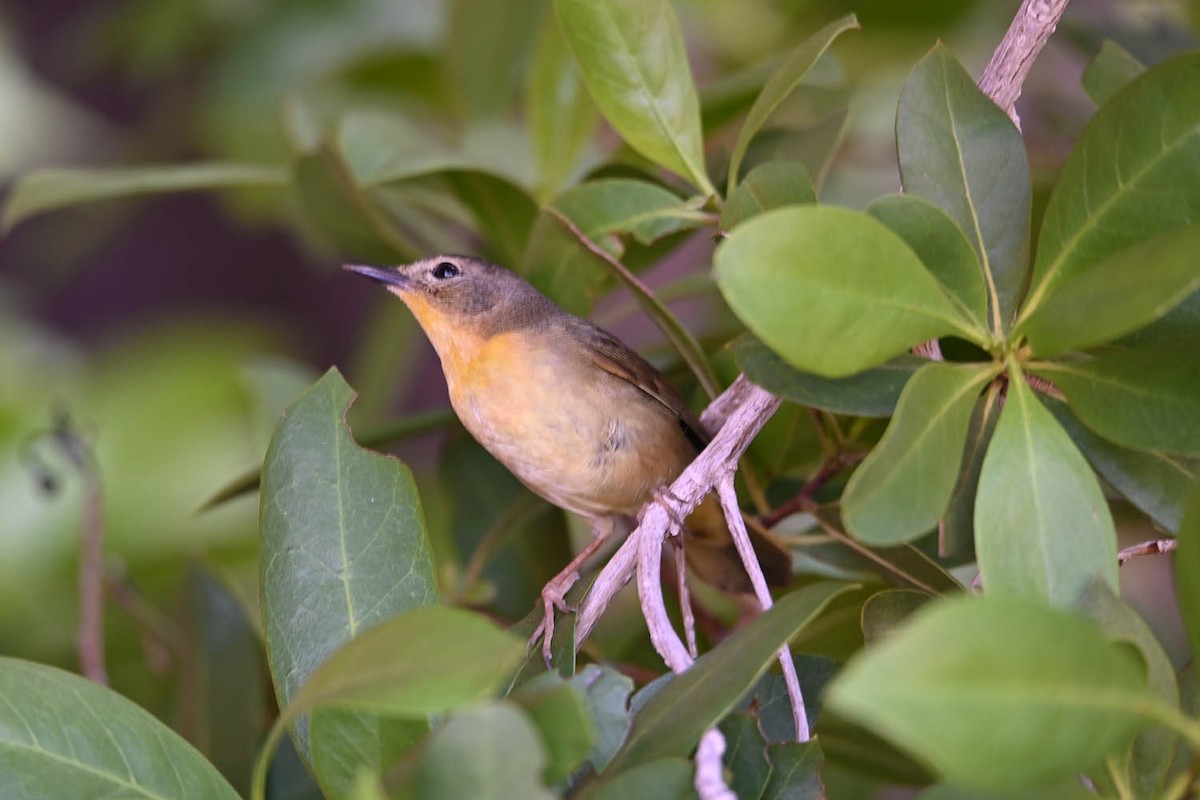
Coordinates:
[553,600]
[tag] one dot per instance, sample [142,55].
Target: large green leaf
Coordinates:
[1121,294]
[1109,72]
[672,721]
[343,543]
[1042,526]
[633,61]
[1187,567]
[661,779]
[1144,143]
[900,491]
[795,771]
[956,532]
[960,151]
[487,46]
[63,736]
[767,186]
[1156,483]
[871,393]
[941,246]
[831,290]
[52,189]
[998,692]
[1145,397]
[781,83]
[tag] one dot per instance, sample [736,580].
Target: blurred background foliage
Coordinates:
[172,330]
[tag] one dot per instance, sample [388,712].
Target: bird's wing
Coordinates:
[616,358]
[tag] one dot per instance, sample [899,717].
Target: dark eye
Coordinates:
[445,270]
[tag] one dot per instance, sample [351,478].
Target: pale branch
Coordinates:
[1154,547]
[1004,76]
[710,778]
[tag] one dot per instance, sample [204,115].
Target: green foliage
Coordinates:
[953,387]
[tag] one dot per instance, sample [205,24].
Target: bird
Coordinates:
[573,412]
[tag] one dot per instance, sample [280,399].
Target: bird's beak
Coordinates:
[389,277]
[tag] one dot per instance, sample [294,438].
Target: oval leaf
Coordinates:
[997,693]
[1147,398]
[343,539]
[1144,143]
[962,153]
[900,491]
[633,62]
[1042,526]
[63,736]
[1121,294]
[780,85]
[768,186]
[832,290]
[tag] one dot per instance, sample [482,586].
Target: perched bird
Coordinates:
[578,416]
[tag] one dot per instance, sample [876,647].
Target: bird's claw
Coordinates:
[553,600]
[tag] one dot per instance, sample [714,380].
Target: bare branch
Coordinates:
[710,779]
[1154,547]
[1004,75]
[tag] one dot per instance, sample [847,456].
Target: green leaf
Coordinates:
[1144,143]
[902,488]
[871,393]
[562,117]
[486,52]
[1042,526]
[888,610]
[561,713]
[607,693]
[1187,567]
[998,692]
[343,539]
[795,771]
[632,58]
[781,84]
[661,779]
[1145,397]
[1109,72]
[941,246]
[1156,483]
[808,279]
[1123,293]
[768,186]
[672,722]
[487,753]
[53,189]
[956,533]
[1147,764]
[745,758]
[960,151]
[63,736]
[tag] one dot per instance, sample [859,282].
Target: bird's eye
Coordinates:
[445,270]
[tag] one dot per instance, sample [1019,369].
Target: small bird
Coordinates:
[579,417]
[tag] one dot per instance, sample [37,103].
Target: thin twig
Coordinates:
[1154,547]
[828,469]
[1004,76]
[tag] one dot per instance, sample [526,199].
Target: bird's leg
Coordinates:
[554,593]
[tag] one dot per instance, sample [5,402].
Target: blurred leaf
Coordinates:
[795,771]
[561,714]
[1181,321]
[772,704]
[63,736]
[607,693]
[1120,294]
[222,699]
[347,744]
[1187,567]
[275,383]
[1142,144]
[960,151]
[852,747]
[767,186]
[886,611]
[1042,526]
[871,393]
[660,779]
[813,144]
[562,117]
[1109,72]
[745,758]
[1156,483]
[1147,764]
[1145,397]
[672,721]
[998,692]
[781,83]
[941,246]
[805,280]
[632,58]
[486,45]
[334,201]
[488,752]
[52,189]
[956,532]
[902,488]
[343,541]
[1069,789]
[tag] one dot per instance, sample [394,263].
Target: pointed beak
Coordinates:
[388,277]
